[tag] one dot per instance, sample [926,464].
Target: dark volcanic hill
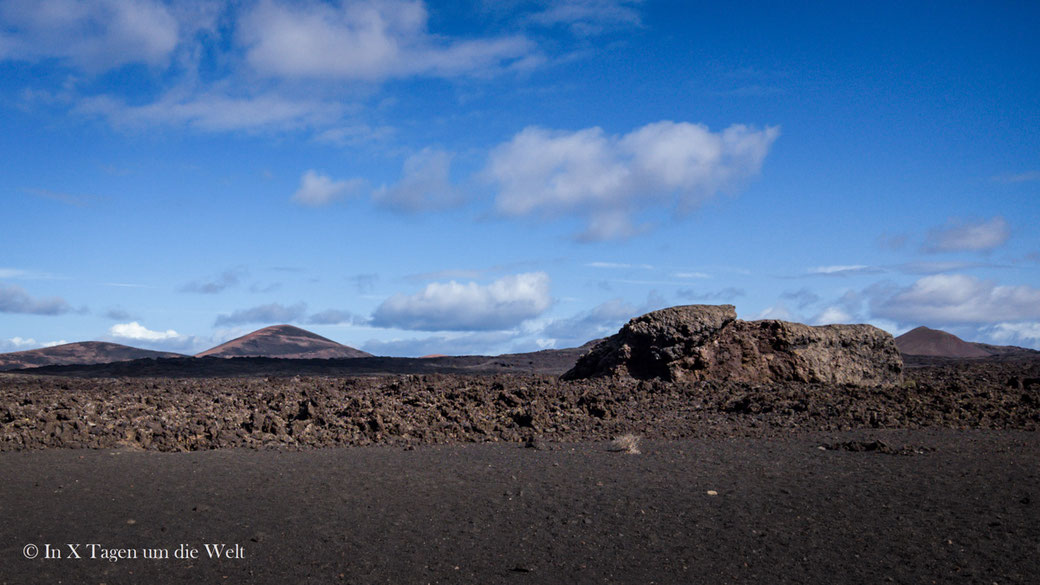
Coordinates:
[936,343]
[284,341]
[84,352]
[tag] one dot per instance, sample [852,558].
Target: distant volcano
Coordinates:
[932,342]
[284,341]
[84,352]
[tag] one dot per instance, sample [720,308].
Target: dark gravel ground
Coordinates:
[964,508]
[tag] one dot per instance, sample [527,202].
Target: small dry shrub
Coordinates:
[627,443]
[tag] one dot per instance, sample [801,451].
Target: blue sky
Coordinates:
[484,177]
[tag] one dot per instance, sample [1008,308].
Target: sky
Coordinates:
[479,177]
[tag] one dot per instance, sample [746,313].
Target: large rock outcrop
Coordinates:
[702,342]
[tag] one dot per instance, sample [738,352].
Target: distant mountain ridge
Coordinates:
[924,341]
[83,352]
[283,341]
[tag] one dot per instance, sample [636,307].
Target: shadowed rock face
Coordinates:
[701,342]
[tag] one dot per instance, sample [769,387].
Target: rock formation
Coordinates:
[708,342]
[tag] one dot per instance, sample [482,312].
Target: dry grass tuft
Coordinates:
[627,443]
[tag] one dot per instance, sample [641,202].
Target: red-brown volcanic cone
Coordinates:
[84,352]
[932,342]
[284,341]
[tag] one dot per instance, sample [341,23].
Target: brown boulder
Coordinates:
[701,342]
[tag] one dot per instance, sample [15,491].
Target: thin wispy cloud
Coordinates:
[226,279]
[66,198]
[272,313]
[844,270]
[968,236]
[1026,177]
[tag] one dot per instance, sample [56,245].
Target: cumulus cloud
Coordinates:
[955,298]
[368,41]
[271,313]
[137,332]
[454,306]
[424,186]
[608,180]
[968,236]
[224,280]
[316,189]
[14,299]
[92,34]
[1025,333]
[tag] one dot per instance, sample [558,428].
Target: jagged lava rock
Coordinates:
[708,342]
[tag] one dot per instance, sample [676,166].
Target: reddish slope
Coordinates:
[85,352]
[283,341]
[932,342]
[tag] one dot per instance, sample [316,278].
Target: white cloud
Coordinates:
[316,189]
[956,298]
[618,265]
[137,332]
[607,180]
[26,343]
[371,41]
[1026,333]
[977,236]
[453,306]
[424,186]
[92,34]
